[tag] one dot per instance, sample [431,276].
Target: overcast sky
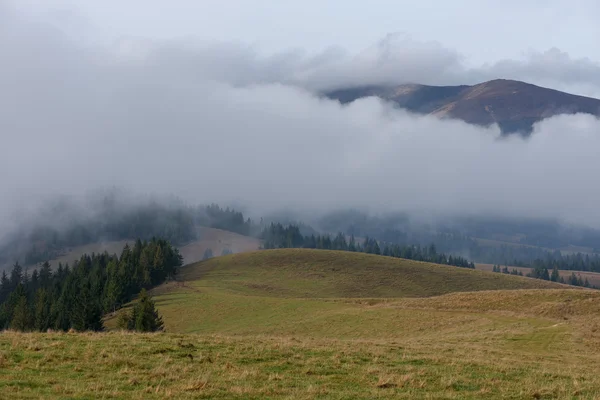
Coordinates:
[482,30]
[214,101]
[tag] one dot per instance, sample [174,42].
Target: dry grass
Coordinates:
[156,366]
[274,325]
[319,273]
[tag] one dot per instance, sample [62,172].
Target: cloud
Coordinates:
[218,122]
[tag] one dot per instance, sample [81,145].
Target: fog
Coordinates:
[223,122]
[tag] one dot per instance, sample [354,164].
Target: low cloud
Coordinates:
[219,122]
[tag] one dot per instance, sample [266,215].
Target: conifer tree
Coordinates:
[45,275]
[21,317]
[145,316]
[16,276]
[42,316]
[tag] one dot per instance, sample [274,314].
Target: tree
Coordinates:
[87,315]
[45,275]
[42,317]
[207,254]
[555,275]
[16,276]
[145,317]
[4,287]
[352,244]
[125,321]
[114,291]
[21,318]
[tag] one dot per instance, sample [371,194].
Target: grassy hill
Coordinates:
[315,293]
[319,273]
[308,324]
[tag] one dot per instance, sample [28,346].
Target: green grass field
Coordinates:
[302,324]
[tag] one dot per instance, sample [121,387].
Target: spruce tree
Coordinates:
[42,317]
[207,254]
[145,316]
[4,287]
[16,276]
[21,318]
[87,315]
[45,275]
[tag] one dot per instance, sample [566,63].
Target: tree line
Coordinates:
[76,297]
[539,271]
[176,223]
[278,236]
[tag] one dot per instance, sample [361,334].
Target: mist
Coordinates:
[222,122]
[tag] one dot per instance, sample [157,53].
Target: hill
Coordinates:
[322,273]
[316,293]
[515,106]
[237,331]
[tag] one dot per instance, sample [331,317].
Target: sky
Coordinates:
[215,101]
[484,31]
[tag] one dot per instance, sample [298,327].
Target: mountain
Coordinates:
[515,106]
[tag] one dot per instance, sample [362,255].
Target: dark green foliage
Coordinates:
[143,317]
[42,316]
[226,252]
[125,321]
[277,236]
[21,315]
[77,297]
[87,312]
[5,288]
[16,276]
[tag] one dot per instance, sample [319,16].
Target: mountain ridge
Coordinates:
[514,105]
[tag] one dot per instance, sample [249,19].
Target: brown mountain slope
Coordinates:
[514,106]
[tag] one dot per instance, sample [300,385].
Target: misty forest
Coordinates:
[299,200]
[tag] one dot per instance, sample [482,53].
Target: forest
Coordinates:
[176,223]
[76,297]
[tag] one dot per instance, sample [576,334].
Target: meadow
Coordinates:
[309,324]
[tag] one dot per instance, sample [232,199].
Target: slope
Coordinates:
[209,238]
[320,273]
[318,293]
[235,332]
[515,106]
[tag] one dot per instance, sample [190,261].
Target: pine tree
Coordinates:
[114,292]
[207,254]
[4,287]
[555,275]
[42,317]
[45,275]
[16,276]
[21,318]
[87,315]
[145,316]
[352,244]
